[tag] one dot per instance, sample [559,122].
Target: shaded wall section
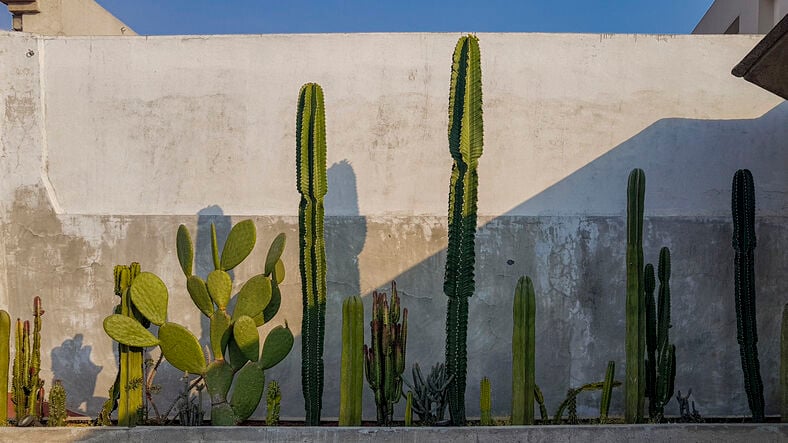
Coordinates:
[108,144]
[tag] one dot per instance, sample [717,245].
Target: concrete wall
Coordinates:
[65,17]
[110,143]
[754,16]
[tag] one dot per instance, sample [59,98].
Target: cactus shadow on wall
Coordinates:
[71,364]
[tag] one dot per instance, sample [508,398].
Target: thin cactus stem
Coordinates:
[635,301]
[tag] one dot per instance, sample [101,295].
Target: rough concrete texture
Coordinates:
[109,143]
[763,433]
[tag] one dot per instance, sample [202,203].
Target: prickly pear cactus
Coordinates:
[236,358]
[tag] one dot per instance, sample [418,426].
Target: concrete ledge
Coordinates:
[715,433]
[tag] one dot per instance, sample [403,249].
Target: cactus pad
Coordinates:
[128,331]
[240,243]
[220,287]
[245,336]
[222,415]
[149,295]
[277,346]
[249,385]
[198,291]
[181,348]
[220,325]
[183,244]
[252,299]
[274,253]
[218,379]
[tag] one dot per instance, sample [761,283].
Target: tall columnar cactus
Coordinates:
[27,364]
[635,386]
[131,371]
[235,358]
[385,358]
[784,366]
[466,131]
[485,402]
[661,360]
[57,405]
[743,208]
[312,185]
[5,357]
[352,370]
[523,351]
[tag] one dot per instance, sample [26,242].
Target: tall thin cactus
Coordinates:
[352,371]
[131,381]
[744,242]
[661,361]
[635,383]
[312,185]
[523,351]
[465,145]
[5,356]
[27,365]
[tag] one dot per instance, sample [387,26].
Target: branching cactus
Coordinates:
[27,365]
[57,405]
[235,360]
[352,370]
[523,350]
[385,358]
[485,402]
[5,357]
[661,361]
[312,185]
[466,133]
[743,208]
[635,387]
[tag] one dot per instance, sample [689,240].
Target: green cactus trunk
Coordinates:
[784,366]
[635,387]
[465,145]
[5,356]
[130,402]
[744,242]
[607,391]
[312,185]
[27,365]
[409,409]
[352,370]
[385,357]
[57,405]
[485,402]
[523,353]
[661,360]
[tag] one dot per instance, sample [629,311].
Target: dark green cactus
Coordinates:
[661,360]
[385,357]
[312,185]
[635,388]
[352,370]
[237,360]
[607,391]
[430,396]
[523,350]
[466,130]
[485,402]
[57,405]
[784,366]
[27,365]
[273,399]
[5,357]
[744,242]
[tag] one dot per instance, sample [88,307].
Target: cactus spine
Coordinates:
[5,357]
[57,405]
[661,361]
[465,145]
[744,242]
[385,357]
[635,303]
[485,402]
[523,350]
[237,359]
[352,371]
[273,399]
[312,185]
[27,364]
[607,391]
[784,366]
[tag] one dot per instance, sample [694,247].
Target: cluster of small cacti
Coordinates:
[430,396]
[485,402]
[466,130]
[312,185]
[352,371]
[57,405]
[236,358]
[273,399]
[385,357]
[523,353]
[27,386]
[743,208]
[661,361]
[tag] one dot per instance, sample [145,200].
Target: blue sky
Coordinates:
[316,16]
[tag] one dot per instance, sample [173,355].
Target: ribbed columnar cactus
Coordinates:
[5,357]
[131,371]
[523,353]
[273,400]
[27,365]
[466,134]
[352,371]
[635,387]
[743,208]
[236,358]
[57,405]
[485,402]
[607,391]
[784,366]
[661,360]
[312,185]
[385,357]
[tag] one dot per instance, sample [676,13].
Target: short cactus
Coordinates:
[57,405]
[352,370]
[430,395]
[485,402]
[570,401]
[273,399]
[523,351]
[409,409]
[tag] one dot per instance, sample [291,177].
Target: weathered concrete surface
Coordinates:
[761,433]
[109,143]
